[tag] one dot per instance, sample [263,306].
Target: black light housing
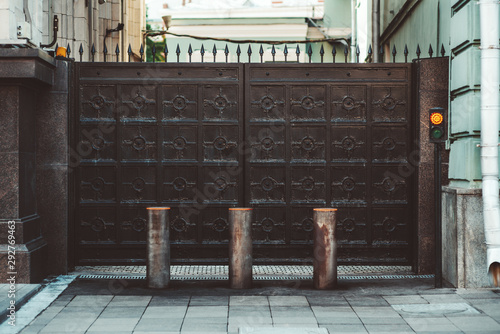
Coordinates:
[437,125]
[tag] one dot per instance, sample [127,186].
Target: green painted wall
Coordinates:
[428,24]
[337,14]
[454,24]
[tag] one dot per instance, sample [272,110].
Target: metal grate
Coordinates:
[258,277]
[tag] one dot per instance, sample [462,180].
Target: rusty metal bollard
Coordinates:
[158,248]
[240,248]
[325,249]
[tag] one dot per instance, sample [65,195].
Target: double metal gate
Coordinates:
[281,138]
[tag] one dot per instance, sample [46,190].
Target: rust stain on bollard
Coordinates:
[158,248]
[325,249]
[240,248]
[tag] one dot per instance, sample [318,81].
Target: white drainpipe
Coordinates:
[490,108]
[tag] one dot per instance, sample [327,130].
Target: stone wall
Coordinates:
[464,249]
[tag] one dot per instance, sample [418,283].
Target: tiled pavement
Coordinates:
[355,307]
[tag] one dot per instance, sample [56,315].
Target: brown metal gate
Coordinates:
[281,138]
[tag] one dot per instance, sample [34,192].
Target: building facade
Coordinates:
[82,22]
[454,26]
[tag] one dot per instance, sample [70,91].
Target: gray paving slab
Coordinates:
[32,329]
[410,299]
[327,301]
[214,311]
[90,301]
[165,312]
[435,310]
[203,328]
[205,319]
[122,312]
[478,323]
[339,320]
[426,324]
[443,298]
[274,330]
[157,332]
[113,324]
[248,301]
[68,326]
[366,301]
[169,301]
[341,329]
[477,294]
[382,321]
[131,301]
[295,320]
[291,311]
[388,328]
[153,325]
[209,301]
[288,301]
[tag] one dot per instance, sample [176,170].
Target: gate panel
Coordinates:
[156,135]
[338,136]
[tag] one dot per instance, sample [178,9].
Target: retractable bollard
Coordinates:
[240,248]
[325,249]
[158,248]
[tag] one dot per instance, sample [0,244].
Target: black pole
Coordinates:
[438,276]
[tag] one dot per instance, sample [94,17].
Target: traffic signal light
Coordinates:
[437,125]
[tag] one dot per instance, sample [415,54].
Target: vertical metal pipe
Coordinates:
[240,248]
[325,249]
[438,276]
[376,30]
[158,248]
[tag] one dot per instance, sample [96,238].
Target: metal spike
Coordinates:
[141,52]
[226,52]
[92,51]
[443,51]
[249,53]
[406,53]
[394,52]
[309,52]
[297,51]
[273,52]
[117,52]
[418,51]
[285,52]
[202,52]
[57,46]
[80,51]
[129,52]
[178,52]
[68,51]
[165,51]
[370,51]
[334,53]
[105,52]
[190,52]
[153,52]
[346,53]
[261,52]
[358,51]
[430,50]
[322,52]
[214,52]
[238,52]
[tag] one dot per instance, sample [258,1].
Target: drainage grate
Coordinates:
[257,277]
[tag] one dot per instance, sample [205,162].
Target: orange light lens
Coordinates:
[436,118]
